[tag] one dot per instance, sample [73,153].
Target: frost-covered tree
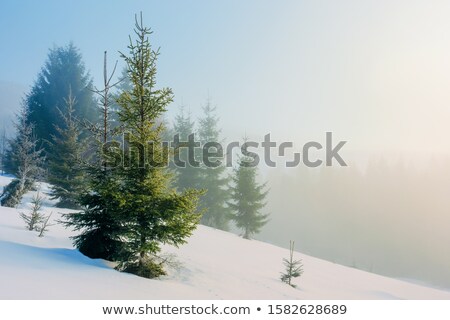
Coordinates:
[293,268]
[213,175]
[24,160]
[247,198]
[67,148]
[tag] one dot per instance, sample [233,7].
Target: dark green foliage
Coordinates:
[99,221]
[67,149]
[63,72]
[213,179]
[151,213]
[247,199]
[294,268]
[24,160]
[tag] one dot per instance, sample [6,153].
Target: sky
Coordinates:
[375,73]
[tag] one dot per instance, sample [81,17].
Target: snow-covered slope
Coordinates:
[213,265]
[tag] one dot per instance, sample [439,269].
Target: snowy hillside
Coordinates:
[213,265]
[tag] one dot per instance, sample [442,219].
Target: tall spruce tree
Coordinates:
[65,171]
[152,213]
[24,160]
[188,176]
[213,175]
[63,71]
[131,209]
[100,226]
[248,198]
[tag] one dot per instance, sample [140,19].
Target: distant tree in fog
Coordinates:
[213,178]
[247,199]
[188,176]
[63,71]
[65,171]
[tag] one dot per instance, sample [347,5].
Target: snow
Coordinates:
[213,265]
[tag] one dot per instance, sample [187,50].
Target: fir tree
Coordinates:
[99,221]
[65,172]
[213,179]
[34,218]
[188,176]
[294,268]
[63,71]
[151,212]
[130,209]
[247,198]
[24,160]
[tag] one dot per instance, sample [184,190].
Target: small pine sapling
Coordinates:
[294,268]
[44,225]
[35,217]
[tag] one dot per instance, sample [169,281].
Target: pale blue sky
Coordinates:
[377,73]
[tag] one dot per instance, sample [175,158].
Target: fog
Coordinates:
[390,219]
[376,74]
[10,100]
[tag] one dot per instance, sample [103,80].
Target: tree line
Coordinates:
[122,213]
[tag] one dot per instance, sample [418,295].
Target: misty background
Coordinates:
[376,74]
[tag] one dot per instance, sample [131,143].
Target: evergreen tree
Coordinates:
[152,213]
[65,171]
[24,160]
[294,268]
[125,82]
[63,71]
[214,202]
[130,209]
[99,223]
[247,198]
[34,218]
[188,176]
